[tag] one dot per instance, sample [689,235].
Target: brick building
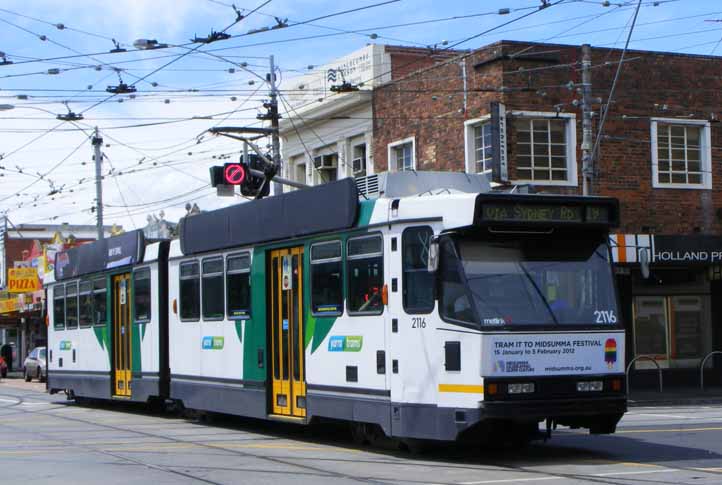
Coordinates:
[514,109]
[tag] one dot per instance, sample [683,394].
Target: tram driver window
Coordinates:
[326,279]
[190,291]
[141,295]
[86,304]
[454,303]
[213,294]
[59,307]
[365,273]
[418,282]
[71,305]
[238,286]
[100,302]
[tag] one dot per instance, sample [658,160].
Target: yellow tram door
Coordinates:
[121,335]
[287,350]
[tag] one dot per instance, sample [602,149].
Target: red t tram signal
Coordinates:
[234,173]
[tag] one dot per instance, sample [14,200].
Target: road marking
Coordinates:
[671,430]
[664,416]
[512,480]
[575,475]
[640,472]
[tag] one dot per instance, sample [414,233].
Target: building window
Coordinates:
[326,279]
[59,307]
[86,304]
[238,286]
[365,274]
[546,148]
[477,137]
[190,291]
[418,282]
[100,302]
[71,305]
[212,292]
[681,154]
[402,155]
[141,295]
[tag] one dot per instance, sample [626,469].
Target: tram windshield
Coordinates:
[523,282]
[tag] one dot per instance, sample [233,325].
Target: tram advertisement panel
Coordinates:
[545,354]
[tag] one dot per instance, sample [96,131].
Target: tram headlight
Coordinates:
[520,388]
[590,386]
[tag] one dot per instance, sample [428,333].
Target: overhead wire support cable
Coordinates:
[610,99]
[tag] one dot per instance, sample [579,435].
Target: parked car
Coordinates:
[3,368]
[34,365]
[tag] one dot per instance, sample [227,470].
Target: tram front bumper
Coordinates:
[556,409]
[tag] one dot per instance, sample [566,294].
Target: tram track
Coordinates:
[310,470]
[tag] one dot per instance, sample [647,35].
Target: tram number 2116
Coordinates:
[418,322]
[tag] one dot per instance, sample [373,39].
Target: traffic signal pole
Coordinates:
[97,141]
[275,138]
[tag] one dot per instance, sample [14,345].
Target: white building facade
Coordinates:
[327,135]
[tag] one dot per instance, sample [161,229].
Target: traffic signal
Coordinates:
[239,173]
[253,185]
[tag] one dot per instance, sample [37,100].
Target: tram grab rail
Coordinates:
[644,357]
[701,366]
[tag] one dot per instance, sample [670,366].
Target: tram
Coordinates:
[435,309]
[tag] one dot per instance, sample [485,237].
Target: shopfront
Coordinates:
[674,310]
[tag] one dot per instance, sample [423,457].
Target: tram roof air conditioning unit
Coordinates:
[407,184]
[325,162]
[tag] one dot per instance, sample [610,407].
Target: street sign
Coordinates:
[234,173]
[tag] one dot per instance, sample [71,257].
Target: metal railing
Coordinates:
[644,357]
[701,366]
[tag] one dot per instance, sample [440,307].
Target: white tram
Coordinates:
[436,309]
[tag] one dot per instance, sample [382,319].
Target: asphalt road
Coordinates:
[45,439]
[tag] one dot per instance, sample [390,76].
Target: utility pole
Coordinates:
[98,156]
[273,112]
[587,142]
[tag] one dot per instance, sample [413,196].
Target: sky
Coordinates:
[156,153]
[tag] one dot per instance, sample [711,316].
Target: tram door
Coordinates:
[286,312]
[121,335]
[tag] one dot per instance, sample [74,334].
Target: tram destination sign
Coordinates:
[543,213]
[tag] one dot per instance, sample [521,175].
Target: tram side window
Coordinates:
[238,286]
[59,307]
[213,289]
[86,304]
[141,295]
[418,291]
[190,291]
[71,305]
[326,278]
[365,274]
[100,302]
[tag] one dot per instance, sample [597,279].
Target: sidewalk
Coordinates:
[675,396]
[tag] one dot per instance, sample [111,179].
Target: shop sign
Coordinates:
[695,250]
[23,280]
[499,170]
[9,305]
